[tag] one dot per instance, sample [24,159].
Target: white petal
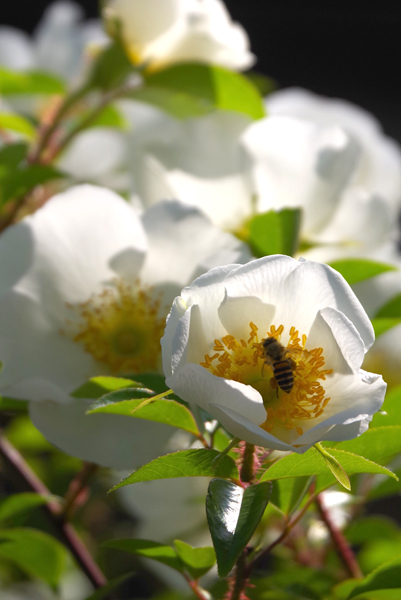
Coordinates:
[84,221]
[33,348]
[177,311]
[196,385]
[179,238]
[236,314]
[15,49]
[108,440]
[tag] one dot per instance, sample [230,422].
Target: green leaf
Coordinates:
[111,68]
[265,85]
[21,181]
[198,561]
[99,386]
[29,82]
[20,506]
[11,156]
[233,513]
[288,493]
[387,576]
[275,232]
[35,552]
[312,463]
[111,585]
[355,270]
[391,410]
[110,116]
[378,444]
[334,467]
[372,528]
[177,104]
[152,409]
[12,405]
[391,310]
[381,325]
[387,487]
[15,122]
[160,552]
[210,86]
[186,463]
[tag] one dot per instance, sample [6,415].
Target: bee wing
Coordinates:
[299,352]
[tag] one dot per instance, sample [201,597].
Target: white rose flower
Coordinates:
[213,353]
[85,286]
[199,160]
[57,45]
[164,32]
[360,214]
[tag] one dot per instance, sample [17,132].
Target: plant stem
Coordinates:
[289,527]
[344,551]
[66,531]
[247,471]
[76,488]
[240,577]
[197,590]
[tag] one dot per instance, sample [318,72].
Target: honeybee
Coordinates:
[283,366]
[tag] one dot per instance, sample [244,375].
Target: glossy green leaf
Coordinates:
[391,309]
[29,82]
[21,181]
[343,590]
[233,513]
[159,410]
[111,68]
[387,576]
[14,122]
[99,386]
[35,552]
[381,325]
[288,493]
[186,463]
[12,405]
[275,232]
[355,270]
[312,463]
[20,506]
[212,86]
[160,552]
[198,561]
[391,410]
[378,444]
[110,116]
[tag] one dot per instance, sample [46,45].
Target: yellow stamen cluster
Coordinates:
[120,327]
[244,361]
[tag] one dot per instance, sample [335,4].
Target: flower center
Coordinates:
[120,327]
[287,377]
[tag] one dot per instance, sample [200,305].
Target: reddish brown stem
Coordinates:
[76,488]
[342,547]
[66,531]
[197,590]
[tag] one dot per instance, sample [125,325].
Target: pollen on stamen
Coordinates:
[244,361]
[120,327]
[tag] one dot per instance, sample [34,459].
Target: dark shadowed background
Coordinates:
[341,49]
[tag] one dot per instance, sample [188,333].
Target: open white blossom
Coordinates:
[85,289]
[58,43]
[199,160]
[163,32]
[213,352]
[337,143]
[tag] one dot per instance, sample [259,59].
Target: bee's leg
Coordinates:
[293,364]
[273,384]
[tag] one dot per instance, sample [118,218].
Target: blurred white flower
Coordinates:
[213,353]
[199,160]
[85,289]
[163,32]
[352,206]
[337,504]
[57,45]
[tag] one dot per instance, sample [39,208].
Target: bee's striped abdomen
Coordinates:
[284,375]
